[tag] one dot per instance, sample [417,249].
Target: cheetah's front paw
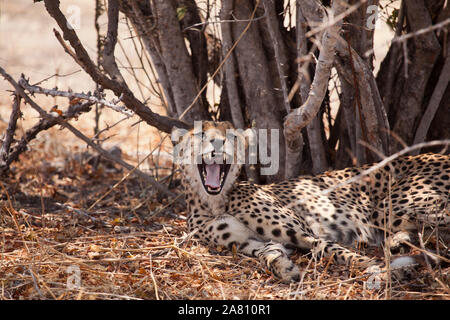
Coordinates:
[275,258]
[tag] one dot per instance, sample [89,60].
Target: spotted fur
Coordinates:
[262,221]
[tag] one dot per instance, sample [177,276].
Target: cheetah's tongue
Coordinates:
[212,176]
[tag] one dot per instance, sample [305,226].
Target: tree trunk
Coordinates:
[274,71]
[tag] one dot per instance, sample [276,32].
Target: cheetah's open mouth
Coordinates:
[213,176]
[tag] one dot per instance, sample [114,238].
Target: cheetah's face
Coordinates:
[210,158]
[215,160]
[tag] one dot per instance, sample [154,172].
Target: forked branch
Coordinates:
[81,56]
[301,117]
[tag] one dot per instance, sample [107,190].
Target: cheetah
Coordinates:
[324,213]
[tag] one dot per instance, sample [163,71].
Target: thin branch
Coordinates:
[434,103]
[71,95]
[230,68]
[419,32]
[82,58]
[272,25]
[223,21]
[222,63]
[301,117]
[50,120]
[108,59]
[45,123]
[338,17]
[416,33]
[56,75]
[386,161]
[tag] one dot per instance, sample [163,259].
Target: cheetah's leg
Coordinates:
[341,254]
[227,231]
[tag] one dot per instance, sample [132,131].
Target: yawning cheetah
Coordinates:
[318,213]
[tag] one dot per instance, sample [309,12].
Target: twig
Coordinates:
[81,56]
[45,123]
[419,32]
[155,285]
[71,95]
[57,75]
[81,213]
[113,295]
[422,31]
[337,19]
[385,161]
[422,245]
[36,286]
[272,25]
[221,63]
[163,189]
[434,103]
[61,121]
[357,93]
[224,21]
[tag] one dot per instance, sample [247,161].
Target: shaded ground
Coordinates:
[132,245]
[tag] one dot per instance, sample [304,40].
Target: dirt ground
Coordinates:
[70,228]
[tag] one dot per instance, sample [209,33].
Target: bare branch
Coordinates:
[302,116]
[223,61]
[45,123]
[338,17]
[230,67]
[48,121]
[435,101]
[423,58]
[108,58]
[386,161]
[161,188]
[178,63]
[401,39]
[82,58]
[373,115]
[71,95]
[280,55]
[223,21]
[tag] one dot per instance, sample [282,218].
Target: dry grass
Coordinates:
[132,245]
